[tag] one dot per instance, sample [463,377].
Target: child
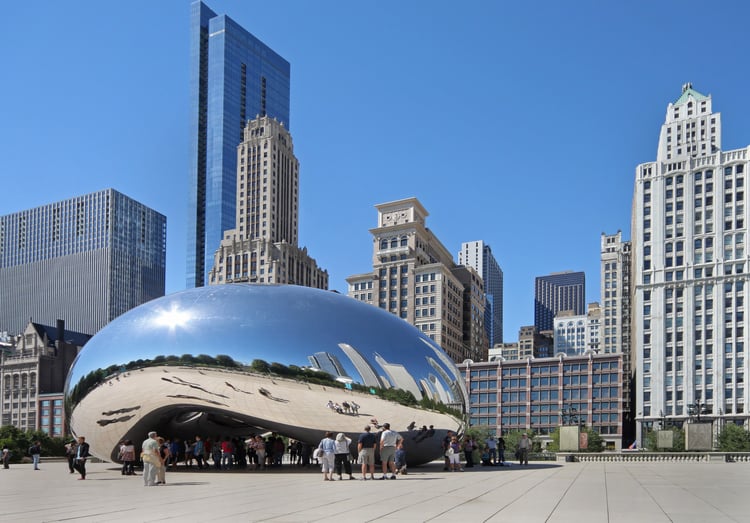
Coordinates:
[400,458]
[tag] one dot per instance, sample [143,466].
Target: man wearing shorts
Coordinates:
[388,441]
[366,452]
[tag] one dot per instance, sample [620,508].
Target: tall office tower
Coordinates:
[474,312]
[616,295]
[414,277]
[262,246]
[560,291]
[616,262]
[690,270]
[479,256]
[233,77]
[86,260]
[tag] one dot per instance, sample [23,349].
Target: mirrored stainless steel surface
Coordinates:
[230,360]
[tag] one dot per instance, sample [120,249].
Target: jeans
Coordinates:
[35,457]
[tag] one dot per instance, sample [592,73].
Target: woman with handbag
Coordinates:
[326,455]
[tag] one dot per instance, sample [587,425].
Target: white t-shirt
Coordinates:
[389,438]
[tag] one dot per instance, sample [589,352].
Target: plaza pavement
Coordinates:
[542,492]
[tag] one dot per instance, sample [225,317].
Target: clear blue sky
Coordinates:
[517,123]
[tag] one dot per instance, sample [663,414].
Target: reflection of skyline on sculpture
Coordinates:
[329,363]
[233,358]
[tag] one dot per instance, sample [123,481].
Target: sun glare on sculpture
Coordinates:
[172,319]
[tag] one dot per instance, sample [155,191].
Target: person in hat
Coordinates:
[342,455]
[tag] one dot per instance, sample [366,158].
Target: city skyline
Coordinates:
[554,99]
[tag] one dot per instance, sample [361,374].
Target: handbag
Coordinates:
[147,457]
[319,453]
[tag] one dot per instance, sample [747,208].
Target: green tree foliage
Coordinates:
[554,445]
[512,439]
[19,441]
[734,438]
[260,366]
[401,396]
[595,441]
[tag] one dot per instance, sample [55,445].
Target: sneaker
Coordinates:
[393,476]
[382,477]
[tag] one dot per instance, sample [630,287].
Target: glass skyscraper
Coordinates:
[234,77]
[557,292]
[85,260]
[479,256]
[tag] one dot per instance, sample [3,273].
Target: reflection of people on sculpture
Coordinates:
[412,426]
[374,423]
[355,408]
[425,433]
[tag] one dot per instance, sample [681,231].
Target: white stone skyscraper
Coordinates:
[478,255]
[690,269]
[262,248]
[616,263]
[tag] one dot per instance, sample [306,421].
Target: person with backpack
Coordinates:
[35,451]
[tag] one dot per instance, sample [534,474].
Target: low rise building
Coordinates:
[532,394]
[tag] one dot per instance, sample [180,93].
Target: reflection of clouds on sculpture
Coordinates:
[203,342]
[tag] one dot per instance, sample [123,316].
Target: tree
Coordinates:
[595,441]
[260,366]
[734,438]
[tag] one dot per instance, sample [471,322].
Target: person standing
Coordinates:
[328,447]
[150,457]
[342,455]
[70,453]
[446,445]
[6,457]
[501,450]
[127,455]
[82,453]
[227,450]
[366,452]
[454,454]
[469,451]
[198,451]
[388,441]
[492,450]
[35,451]
[163,460]
[524,444]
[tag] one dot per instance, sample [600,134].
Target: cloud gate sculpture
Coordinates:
[231,360]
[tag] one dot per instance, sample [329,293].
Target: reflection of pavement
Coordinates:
[573,492]
[107,413]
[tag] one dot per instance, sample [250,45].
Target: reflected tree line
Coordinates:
[304,374]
